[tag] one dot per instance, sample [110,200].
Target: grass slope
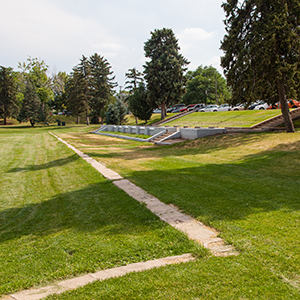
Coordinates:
[60,218]
[245,118]
[246,186]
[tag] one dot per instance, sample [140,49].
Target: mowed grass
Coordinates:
[246,186]
[60,218]
[245,118]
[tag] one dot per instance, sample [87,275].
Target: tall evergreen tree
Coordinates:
[164,73]
[75,94]
[262,47]
[101,83]
[84,69]
[8,94]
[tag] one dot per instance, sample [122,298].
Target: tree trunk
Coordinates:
[32,123]
[163,111]
[77,120]
[87,120]
[4,121]
[289,125]
[136,121]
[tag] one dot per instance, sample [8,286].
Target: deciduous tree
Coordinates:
[206,85]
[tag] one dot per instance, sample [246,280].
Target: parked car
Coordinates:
[169,110]
[157,111]
[198,106]
[254,104]
[188,108]
[176,110]
[291,103]
[238,107]
[262,106]
[224,107]
[209,108]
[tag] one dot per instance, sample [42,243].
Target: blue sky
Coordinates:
[61,31]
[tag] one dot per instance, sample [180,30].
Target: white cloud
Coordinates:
[195,34]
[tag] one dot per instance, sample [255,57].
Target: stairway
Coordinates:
[276,121]
[160,138]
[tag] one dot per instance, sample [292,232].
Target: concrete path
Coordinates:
[74,283]
[195,230]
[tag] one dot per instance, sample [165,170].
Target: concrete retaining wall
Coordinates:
[135,129]
[195,133]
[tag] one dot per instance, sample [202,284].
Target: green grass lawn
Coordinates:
[60,218]
[245,118]
[245,185]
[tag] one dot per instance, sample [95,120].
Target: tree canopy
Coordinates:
[262,47]
[206,85]
[164,72]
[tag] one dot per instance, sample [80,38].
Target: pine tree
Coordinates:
[164,73]
[262,47]
[75,94]
[101,83]
[84,69]
[8,94]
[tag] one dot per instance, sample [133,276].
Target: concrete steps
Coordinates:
[161,137]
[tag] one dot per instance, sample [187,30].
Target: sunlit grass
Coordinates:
[245,118]
[246,186]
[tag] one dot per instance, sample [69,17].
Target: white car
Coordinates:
[261,106]
[238,107]
[209,108]
[224,107]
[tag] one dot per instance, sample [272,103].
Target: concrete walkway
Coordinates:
[195,230]
[74,283]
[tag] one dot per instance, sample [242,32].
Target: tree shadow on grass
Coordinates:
[90,209]
[55,163]
[263,182]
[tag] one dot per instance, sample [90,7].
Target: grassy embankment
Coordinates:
[245,118]
[246,186]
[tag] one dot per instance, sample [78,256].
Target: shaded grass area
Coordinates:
[245,118]
[60,218]
[246,186]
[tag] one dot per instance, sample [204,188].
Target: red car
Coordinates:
[187,108]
